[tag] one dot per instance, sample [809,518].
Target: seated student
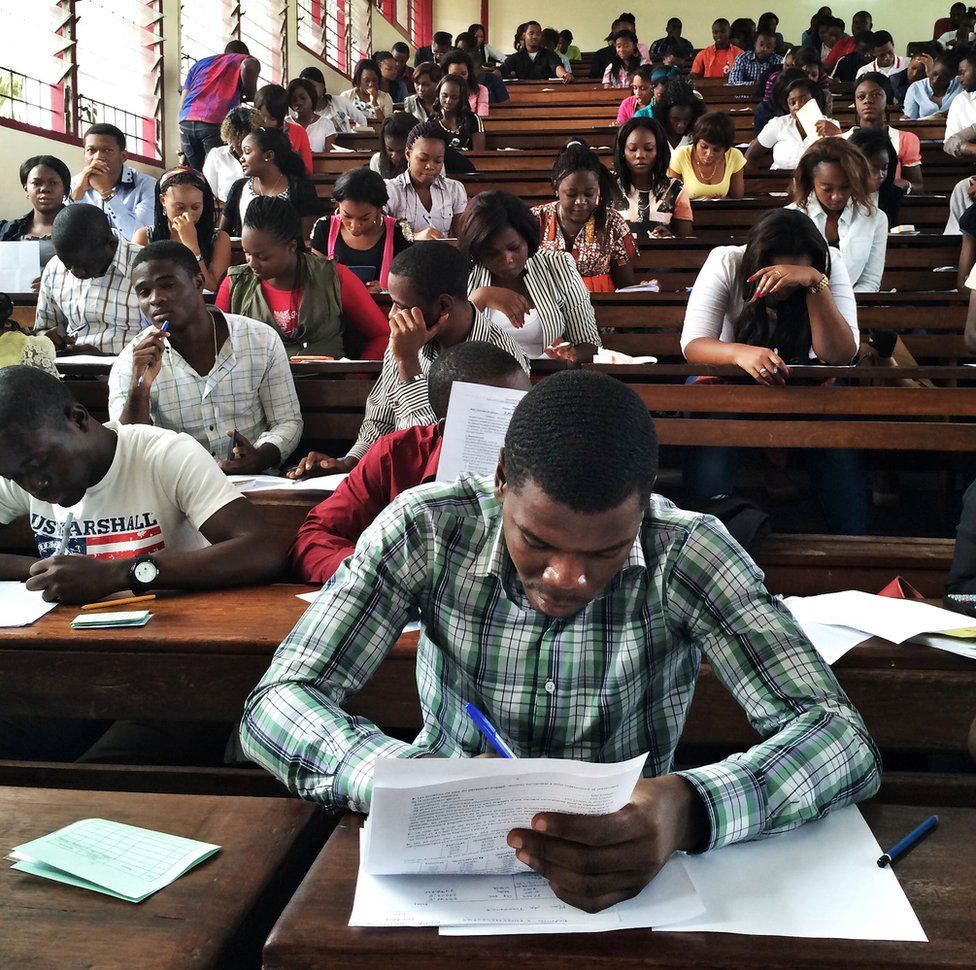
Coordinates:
[532,61]
[271,102]
[742,33]
[489,54]
[122,193]
[195,531]
[784,136]
[711,166]
[960,129]
[319,307]
[223,165]
[625,61]
[567,555]
[422,197]
[401,54]
[934,93]
[359,235]
[768,23]
[394,463]
[717,59]
[672,41]
[602,57]
[550,42]
[751,65]
[628,21]
[461,64]
[882,161]
[340,111]
[774,105]
[221,378]
[536,297]
[366,94]
[431,313]
[782,299]
[85,302]
[421,104]
[583,222]
[861,23]
[493,84]
[646,92]
[46,181]
[436,51]
[463,129]
[832,184]
[872,97]
[677,110]
[862,53]
[886,61]
[807,61]
[390,82]
[960,35]
[949,23]
[303,100]
[185,214]
[657,203]
[830,33]
[271,170]
[566,47]
[391,160]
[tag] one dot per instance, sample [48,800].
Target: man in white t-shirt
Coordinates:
[150,509]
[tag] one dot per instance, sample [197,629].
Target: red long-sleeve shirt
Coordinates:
[393,464]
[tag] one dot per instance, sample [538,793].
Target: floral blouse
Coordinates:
[595,252]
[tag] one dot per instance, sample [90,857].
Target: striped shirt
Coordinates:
[102,311]
[249,388]
[393,405]
[610,683]
[558,293]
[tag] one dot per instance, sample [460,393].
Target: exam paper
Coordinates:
[453,815]
[477,419]
[119,860]
[267,483]
[831,642]
[20,606]
[94,361]
[808,116]
[20,265]
[881,616]
[604,356]
[820,880]
[962,648]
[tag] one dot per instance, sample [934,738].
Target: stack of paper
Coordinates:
[267,483]
[119,860]
[99,621]
[20,606]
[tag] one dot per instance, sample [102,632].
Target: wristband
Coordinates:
[820,285]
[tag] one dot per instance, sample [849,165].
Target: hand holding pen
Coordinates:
[147,356]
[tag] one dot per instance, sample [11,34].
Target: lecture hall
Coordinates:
[466,478]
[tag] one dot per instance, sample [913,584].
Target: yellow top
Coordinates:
[681,166]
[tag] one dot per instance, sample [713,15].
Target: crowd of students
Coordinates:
[569,529]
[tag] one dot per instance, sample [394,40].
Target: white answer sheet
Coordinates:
[438,816]
[20,265]
[962,648]
[265,483]
[832,642]
[881,616]
[20,606]
[820,880]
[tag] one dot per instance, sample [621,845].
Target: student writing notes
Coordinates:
[568,566]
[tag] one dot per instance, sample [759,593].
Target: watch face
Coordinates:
[145,572]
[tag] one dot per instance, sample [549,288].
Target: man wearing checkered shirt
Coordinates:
[750,66]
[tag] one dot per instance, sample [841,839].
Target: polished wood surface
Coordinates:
[201,920]
[939,878]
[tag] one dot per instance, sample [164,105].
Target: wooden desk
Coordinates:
[202,653]
[207,918]
[939,878]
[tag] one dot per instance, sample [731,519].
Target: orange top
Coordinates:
[710,62]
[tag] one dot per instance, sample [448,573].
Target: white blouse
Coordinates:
[863,242]
[782,135]
[221,170]
[319,131]
[343,113]
[448,199]
[716,300]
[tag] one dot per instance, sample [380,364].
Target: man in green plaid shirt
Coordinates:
[573,607]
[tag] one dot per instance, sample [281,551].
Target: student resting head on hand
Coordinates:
[568,541]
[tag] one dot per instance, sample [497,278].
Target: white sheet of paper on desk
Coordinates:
[477,419]
[20,265]
[267,483]
[87,360]
[438,816]
[820,880]
[808,116]
[604,356]
[20,606]
[881,616]
[832,642]
[962,648]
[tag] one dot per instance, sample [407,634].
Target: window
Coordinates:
[360,29]
[262,27]
[421,19]
[204,30]
[66,64]
[322,31]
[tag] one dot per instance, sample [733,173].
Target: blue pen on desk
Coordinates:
[163,329]
[903,845]
[485,727]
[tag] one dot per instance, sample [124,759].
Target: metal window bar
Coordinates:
[321,30]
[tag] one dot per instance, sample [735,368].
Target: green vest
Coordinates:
[319,316]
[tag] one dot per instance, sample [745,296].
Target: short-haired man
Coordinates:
[861,22]
[532,61]
[602,57]
[431,312]
[750,66]
[576,607]
[717,59]
[213,375]
[861,53]
[886,61]
[212,87]
[441,45]
[673,42]
[401,54]
[394,463]
[960,138]
[127,197]
[85,302]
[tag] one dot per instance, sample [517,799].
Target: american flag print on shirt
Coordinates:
[115,537]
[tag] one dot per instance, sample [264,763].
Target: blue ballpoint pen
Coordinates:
[485,727]
[163,329]
[903,845]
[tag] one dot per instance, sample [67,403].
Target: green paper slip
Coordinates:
[123,861]
[99,621]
